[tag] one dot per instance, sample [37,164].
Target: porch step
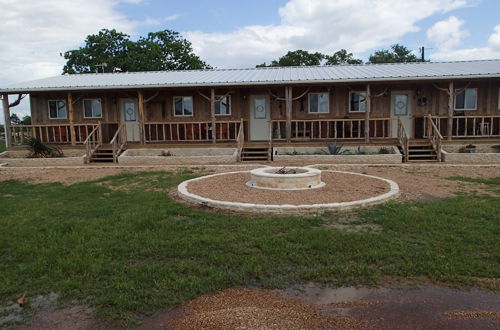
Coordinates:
[104,154]
[255,154]
[421,152]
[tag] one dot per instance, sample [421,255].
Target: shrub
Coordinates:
[38,149]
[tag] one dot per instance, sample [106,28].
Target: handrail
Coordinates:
[404,141]
[118,141]
[93,142]
[434,136]
[270,137]
[240,140]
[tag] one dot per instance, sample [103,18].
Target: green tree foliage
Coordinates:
[342,57]
[15,120]
[163,50]
[396,54]
[305,58]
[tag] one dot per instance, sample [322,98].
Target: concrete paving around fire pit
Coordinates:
[342,190]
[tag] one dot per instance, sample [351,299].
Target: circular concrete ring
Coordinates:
[267,178]
[184,194]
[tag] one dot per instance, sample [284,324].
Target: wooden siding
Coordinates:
[160,108]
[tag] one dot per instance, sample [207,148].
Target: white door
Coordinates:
[259,118]
[128,110]
[401,107]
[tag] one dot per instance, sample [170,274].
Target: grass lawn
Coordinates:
[124,247]
[2,145]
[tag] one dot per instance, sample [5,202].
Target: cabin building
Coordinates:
[400,104]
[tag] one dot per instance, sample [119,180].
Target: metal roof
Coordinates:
[265,76]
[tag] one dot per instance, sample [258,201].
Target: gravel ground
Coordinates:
[339,187]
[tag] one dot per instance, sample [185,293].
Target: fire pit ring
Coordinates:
[285,178]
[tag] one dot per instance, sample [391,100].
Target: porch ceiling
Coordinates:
[264,76]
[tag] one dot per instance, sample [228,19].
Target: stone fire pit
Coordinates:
[285,178]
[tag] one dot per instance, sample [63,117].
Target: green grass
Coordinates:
[124,247]
[489,181]
[2,145]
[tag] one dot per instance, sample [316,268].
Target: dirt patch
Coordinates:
[467,315]
[75,318]
[339,187]
[249,309]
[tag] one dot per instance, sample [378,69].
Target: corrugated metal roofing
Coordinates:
[265,76]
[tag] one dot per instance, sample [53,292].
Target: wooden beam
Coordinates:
[6,116]
[451,106]
[151,97]
[212,115]
[71,118]
[288,108]
[368,106]
[140,101]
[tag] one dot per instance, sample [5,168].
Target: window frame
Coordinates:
[83,108]
[182,97]
[465,109]
[498,101]
[357,92]
[228,97]
[65,106]
[309,103]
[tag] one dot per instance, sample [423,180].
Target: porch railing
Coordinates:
[325,129]
[435,137]
[240,140]
[57,134]
[466,126]
[195,131]
[404,140]
[93,142]
[118,141]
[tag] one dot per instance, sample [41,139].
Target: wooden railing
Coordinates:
[270,141]
[93,142]
[195,131]
[325,129]
[403,138]
[466,126]
[119,141]
[240,140]
[56,134]
[434,136]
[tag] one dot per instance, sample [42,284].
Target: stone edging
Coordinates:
[285,208]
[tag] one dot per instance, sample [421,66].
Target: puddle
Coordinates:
[424,307]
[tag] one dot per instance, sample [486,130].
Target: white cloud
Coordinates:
[490,51]
[448,33]
[319,25]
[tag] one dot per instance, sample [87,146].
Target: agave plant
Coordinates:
[335,149]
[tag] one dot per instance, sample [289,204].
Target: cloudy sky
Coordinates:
[234,33]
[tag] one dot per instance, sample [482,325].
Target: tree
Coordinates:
[296,58]
[26,120]
[110,50]
[397,54]
[342,57]
[14,119]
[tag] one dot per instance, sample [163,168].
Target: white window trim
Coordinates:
[57,100]
[83,108]
[309,103]
[230,105]
[455,101]
[356,92]
[173,106]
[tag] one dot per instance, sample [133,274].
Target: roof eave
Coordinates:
[238,84]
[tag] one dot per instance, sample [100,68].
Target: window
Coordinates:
[318,103]
[357,101]
[498,103]
[92,108]
[183,105]
[466,99]
[57,109]
[223,107]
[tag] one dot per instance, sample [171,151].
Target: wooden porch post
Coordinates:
[368,106]
[140,101]
[451,106]
[212,115]
[71,118]
[288,107]
[6,116]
